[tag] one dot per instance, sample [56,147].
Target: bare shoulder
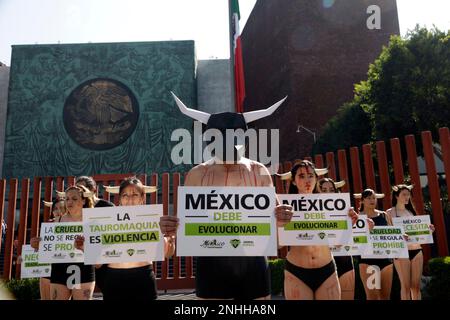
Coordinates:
[390,211]
[195,175]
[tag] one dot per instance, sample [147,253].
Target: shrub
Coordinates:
[439,286]
[277,275]
[24,289]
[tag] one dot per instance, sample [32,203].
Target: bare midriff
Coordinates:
[309,256]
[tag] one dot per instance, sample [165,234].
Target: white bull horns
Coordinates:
[116,189]
[259,114]
[198,115]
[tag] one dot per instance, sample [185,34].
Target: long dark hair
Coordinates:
[301,164]
[323,180]
[131,181]
[88,182]
[409,206]
[365,194]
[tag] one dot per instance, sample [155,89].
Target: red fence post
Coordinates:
[444,138]
[36,207]
[2,207]
[287,166]
[318,161]
[279,185]
[356,170]
[331,165]
[165,200]
[154,182]
[48,196]
[176,260]
[383,171]
[189,260]
[435,194]
[343,171]
[368,167]
[12,198]
[60,183]
[397,161]
[22,238]
[417,190]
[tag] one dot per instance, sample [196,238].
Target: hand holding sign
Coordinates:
[283,213]
[79,243]
[370,223]
[353,215]
[34,243]
[169,225]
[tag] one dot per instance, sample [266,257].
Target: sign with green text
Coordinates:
[359,243]
[319,219]
[123,234]
[387,242]
[57,243]
[226,221]
[30,266]
[416,227]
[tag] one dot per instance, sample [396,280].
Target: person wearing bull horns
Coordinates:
[130,280]
[57,209]
[230,277]
[344,264]
[310,271]
[384,265]
[409,269]
[62,286]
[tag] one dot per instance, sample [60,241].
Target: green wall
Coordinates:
[43,76]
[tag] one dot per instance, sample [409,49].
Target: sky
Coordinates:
[205,21]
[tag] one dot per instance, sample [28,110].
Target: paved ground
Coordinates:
[177,295]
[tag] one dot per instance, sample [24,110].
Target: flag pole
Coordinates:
[231,41]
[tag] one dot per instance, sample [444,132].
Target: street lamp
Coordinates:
[308,130]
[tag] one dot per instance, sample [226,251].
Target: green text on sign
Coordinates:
[317,225]
[227,229]
[360,239]
[68,229]
[134,237]
[35,264]
[418,233]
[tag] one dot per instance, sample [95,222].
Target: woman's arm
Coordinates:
[169,246]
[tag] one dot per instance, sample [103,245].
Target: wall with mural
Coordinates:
[96,108]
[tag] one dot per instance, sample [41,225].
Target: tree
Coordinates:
[350,127]
[407,91]
[408,86]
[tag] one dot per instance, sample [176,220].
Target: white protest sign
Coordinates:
[416,227]
[30,266]
[345,250]
[360,240]
[57,243]
[387,242]
[123,234]
[226,221]
[319,219]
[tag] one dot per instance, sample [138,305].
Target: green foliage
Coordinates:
[439,286]
[24,289]
[406,92]
[277,275]
[350,127]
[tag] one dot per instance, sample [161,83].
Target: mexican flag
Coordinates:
[239,81]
